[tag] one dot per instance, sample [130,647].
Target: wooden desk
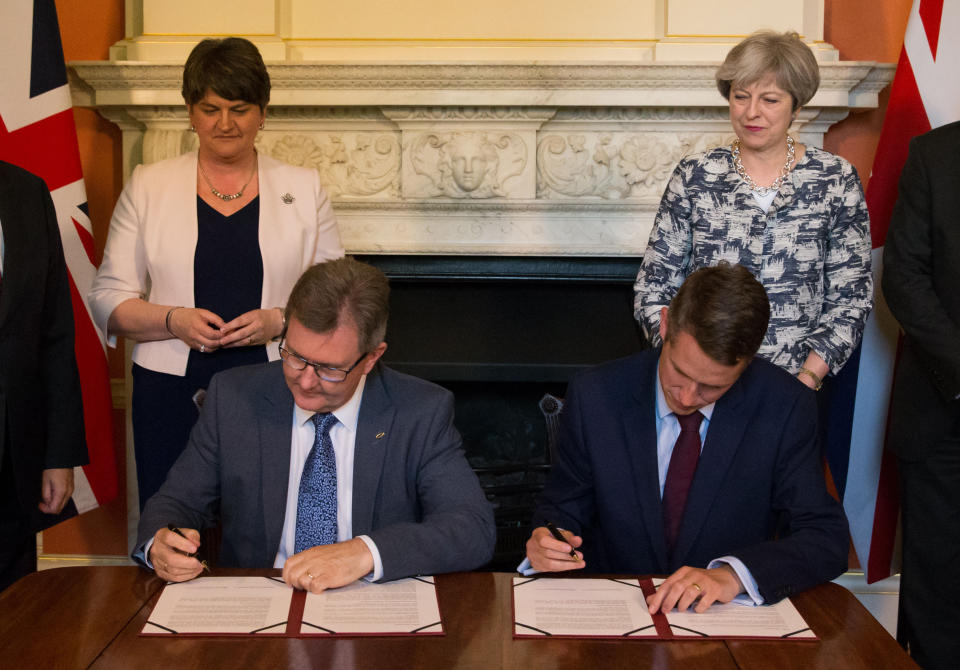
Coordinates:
[91,617]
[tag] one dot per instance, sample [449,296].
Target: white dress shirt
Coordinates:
[668,430]
[344,437]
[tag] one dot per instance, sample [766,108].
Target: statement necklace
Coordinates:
[226,197]
[745,176]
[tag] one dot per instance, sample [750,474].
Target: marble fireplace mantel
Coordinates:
[476,158]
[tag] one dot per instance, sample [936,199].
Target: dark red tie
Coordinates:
[683,463]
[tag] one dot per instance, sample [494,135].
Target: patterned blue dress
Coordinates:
[811,251]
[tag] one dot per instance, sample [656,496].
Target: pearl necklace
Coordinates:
[226,197]
[745,176]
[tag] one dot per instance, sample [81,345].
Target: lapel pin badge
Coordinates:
[287,199]
[380,434]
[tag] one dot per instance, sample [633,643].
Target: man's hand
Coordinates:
[169,554]
[547,554]
[687,585]
[55,490]
[328,566]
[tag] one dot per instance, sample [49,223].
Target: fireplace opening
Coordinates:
[500,333]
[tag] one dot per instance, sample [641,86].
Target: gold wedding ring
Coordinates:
[697,587]
[311,576]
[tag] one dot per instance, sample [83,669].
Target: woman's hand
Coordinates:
[813,371]
[200,329]
[258,326]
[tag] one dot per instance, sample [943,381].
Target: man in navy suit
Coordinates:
[403,500]
[755,517]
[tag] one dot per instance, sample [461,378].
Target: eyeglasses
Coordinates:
[324,372]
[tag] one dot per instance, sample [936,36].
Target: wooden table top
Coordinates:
[90,617]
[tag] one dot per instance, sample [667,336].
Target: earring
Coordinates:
[261,125]
[192,129]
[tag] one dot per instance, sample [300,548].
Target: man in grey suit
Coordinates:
[403,500]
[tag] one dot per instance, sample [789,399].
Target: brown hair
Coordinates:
[231,67]
[725,309]
[785,56]
[342,291]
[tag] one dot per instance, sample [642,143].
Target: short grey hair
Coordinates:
[765,52]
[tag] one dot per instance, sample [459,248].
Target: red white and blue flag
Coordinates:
[925,94]
[37,132]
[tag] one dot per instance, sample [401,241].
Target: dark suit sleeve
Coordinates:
[908,273]
[568,498]
[190,496]
[62,402]
[455,530]
[812,540]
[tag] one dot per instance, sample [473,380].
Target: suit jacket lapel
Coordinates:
[274,425]
[374,436]
[722,442]
[641,438]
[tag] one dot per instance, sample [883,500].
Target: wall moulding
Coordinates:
[475,158]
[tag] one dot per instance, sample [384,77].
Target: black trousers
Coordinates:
[18,542]
[929,618]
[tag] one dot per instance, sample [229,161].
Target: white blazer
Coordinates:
[153,237]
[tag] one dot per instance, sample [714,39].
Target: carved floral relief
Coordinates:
[351,164]
[611,165]
[465,164]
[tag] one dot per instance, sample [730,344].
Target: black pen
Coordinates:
[558,535]
[179,532]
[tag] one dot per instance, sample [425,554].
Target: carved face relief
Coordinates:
[467,164]
[471,159]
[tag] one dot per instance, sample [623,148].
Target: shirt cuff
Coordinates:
[143,554]
[752,595]
[377,573]
[526,569]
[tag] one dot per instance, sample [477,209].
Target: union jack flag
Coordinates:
[37,132]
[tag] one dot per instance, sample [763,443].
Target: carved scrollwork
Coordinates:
[613,166]
[467,164]
[350,164]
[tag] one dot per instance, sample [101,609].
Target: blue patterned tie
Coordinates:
[317,504]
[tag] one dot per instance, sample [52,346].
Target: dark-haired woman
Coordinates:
[203,250]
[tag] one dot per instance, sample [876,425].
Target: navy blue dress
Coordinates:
[228,281]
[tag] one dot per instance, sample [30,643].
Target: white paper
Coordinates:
[404,606]
[735,620]
[580,607]
[221,605]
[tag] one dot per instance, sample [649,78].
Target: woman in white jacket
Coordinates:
[203,250]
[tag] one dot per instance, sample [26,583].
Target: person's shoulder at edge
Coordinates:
[941,141]
[11,171]
[940,133]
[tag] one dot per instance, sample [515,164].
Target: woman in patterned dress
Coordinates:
[794,215]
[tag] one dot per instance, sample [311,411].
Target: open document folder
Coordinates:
[616,608]
[215,606]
